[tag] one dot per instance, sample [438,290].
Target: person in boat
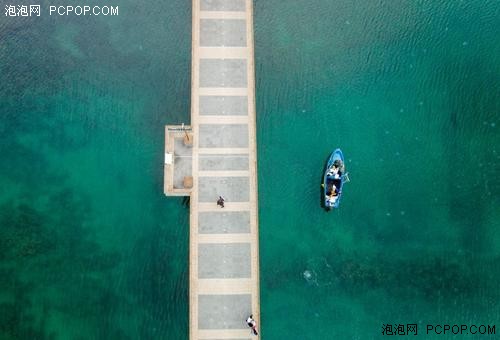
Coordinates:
[333,198]
[332,195]
[338,166]
[332,171]
[335,171]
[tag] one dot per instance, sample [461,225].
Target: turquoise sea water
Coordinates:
[90,246]
[409,91]
[91,249]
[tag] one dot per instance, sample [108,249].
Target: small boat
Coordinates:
[333,180]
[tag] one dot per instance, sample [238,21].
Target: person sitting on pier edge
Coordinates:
[252,324]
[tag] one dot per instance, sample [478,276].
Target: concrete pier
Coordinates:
[219,158]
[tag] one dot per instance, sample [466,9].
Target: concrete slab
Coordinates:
[222,162]
[224,260]
[223,5]
[181,149]
[223,136]
[221,222]
[182,162]
[224,105]
[224,311]
[223,32]
[183,166]
[223,73]
[233,189]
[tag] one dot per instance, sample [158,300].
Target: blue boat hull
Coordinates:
[329,181]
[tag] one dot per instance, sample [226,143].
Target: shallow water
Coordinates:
[91,249]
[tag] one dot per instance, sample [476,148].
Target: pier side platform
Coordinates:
[178,170]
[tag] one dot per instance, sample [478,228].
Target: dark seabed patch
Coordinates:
[89,246]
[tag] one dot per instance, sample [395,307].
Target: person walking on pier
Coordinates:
[252,324]
[220,201]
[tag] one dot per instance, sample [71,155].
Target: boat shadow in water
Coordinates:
[321,187]
[322,199]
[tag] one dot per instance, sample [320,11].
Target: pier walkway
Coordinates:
[216,155]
